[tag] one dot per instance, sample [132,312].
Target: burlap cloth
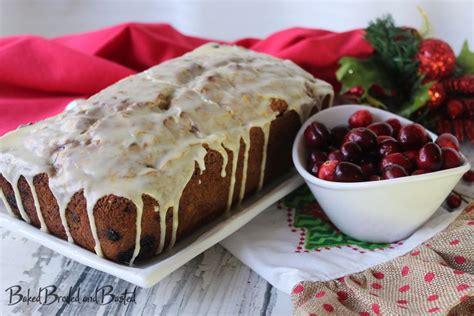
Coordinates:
[436,278]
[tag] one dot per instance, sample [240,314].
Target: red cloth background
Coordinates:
[39,76]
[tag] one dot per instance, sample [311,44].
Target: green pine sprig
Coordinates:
[393,67]
[395,49]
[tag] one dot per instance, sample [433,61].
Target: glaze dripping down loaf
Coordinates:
[153,157]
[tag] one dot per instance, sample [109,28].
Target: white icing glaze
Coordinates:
[139,206]
[19,201]
[147,133]
[163,213]
[7,205]
[246,140]
[43,226]
[63,201]
[266,132]
[90,201]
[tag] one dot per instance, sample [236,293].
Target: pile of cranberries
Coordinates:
[368,151]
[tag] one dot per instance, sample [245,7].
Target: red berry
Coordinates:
[326,170]
[380,139]
[411,154]
[451,158]
[412,136]
[381,129]
[318,157]
[351,151]
[429,157]
[316,135]
[419,171]
[396,125]
[314,169]
[394,171]
[336,155]
[375,177]
[338,133]
[388,147]
[453,200]
[469,176]
[396,159]
[348,172]
[357,91]
[364,137]
[369,157]
[361,118]
[448,140]
[455,108]
[368,170]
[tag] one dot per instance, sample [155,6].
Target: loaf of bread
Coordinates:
[150,159]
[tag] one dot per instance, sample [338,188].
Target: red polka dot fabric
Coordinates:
[436,278]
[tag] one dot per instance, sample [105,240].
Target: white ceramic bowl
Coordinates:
[376,211]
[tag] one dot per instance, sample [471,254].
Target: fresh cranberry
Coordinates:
[364,137]
[317,156]
[389,146]
[316,135]
[314,170]
[395,124]
[455,108]
[396,159]
[451,158]
[351,151]
[375,177]
[336,155]
[454,200]
[382,138]
[448,140]
[381,129]
[419,171]
[326,170]
[411,154]
[412,136]
[369,157]
[338,133]
[429,157]
[361,118]
[469,176]
[394,171]
[348,172]
[368,170]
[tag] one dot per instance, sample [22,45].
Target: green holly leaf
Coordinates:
[465,60]
[363,73]
[418,99]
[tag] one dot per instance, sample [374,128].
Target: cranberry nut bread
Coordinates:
[146,161]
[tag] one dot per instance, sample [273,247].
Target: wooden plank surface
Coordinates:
[214,283]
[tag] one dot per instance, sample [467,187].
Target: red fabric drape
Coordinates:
[39,76]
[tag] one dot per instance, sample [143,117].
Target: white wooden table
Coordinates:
[214,283]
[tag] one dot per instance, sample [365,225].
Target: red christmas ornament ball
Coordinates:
[437,59]
[437,95]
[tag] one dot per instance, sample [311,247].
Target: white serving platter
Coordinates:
[151,272]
